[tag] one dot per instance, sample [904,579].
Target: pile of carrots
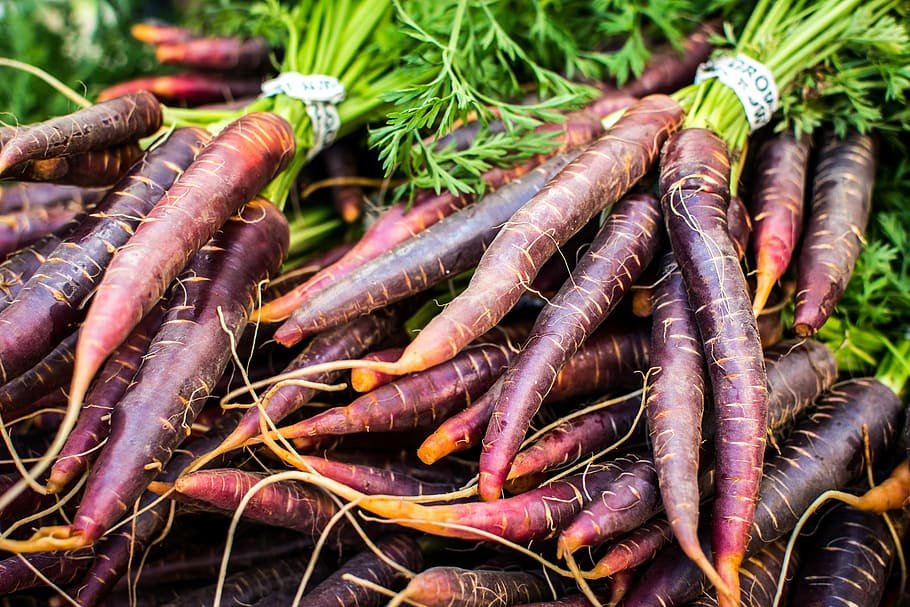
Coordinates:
[611,412]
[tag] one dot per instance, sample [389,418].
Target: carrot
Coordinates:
[227,54]
[447,247]
[87,169]
[51,373]
[694,188]
[823,451]
[17,572]
[607,360]
[625,245]
[220,283]
[97,127]
[457,587]
[374,481]
[25,196]
[152,32]
[51,302]
[93,427]
[739,225]
[777,209]
[229,171]
[549,219]
[186,88]
[348,199]
[413,401]
[365,379]
[621,507]
[22,228]
[580,437]
[347,341]
[798,371]
[575,600]
[338,591]
[760,573]
[19,267]
[635,548]
[841,200]
[398,224]
[298,273]
[847,562]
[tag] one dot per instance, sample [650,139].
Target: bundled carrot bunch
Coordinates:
[635,423]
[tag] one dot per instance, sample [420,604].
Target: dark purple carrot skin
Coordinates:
[570,441]
[549,219]
[847,562]
[760,573]
[190,89]
[798,371]
[621,507]
[456,587]
[94,422]
[609,359]
[841,201]
[575,600]
[413,401]
[449,247]
[26,196]
[345,342]
[26,503]
[374,481]
[19,267]
[220,282]
[226,54]
[338,592]
[400,223]
[51,302]
[694,178]
[777,209]
[97,127]
[86,169]
[635,548]
[348,199]
[51,373]
[625,244]
[228,172]
[739,224]
[22,228]
[59,568]
[286,504]
[824,451]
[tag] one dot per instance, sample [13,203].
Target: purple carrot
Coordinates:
[365,379]
[219,285]
[374,481]
[340,592]
[634,549]
[412,401]
[94,423]
[86,169]
[187,88]
[446,248]
[760,573]
[226,54]
[580,437]
[22,228]
[51,373]
[456,587]
[618,159]
[798,371]
[21,265]
[625,244]
[841,201]
[609,359]
[27,196]
[621,507]
[847,561]
[301,270]
[228,172]
[695,192]
[824,451]
[349,199]
[348,341]
[777,210]
[97,127]
[59,568]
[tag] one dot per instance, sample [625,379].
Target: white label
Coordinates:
[752,82]
[320,94]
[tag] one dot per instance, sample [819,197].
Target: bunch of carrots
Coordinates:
[623,401]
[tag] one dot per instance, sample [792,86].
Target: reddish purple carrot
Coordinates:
[26,196]
[694,186]
[51,373]
[365,379]
[97,127]
[626,244]
[777,210]
[618,160]
[226,54]
[634,549]
[841,201]
[228,172]
[22,228]
[19,267]
[188,88]
[456,587]
[93,427]
[52,302]
[372,480]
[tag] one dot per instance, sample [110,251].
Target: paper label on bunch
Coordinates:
[752,82]
[320,94]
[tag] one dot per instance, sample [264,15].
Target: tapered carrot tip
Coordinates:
[56,482]
[728,568]
[433,448]
[803,330]
[289,334]
[274,311]
[159,488]
[350,213]
[764,283]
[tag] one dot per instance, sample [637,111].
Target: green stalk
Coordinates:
[895,368]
